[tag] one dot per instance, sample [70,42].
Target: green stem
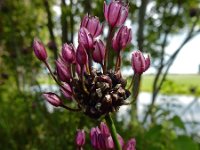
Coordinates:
[136,84]
[49,68]
[108,42]
[113,131]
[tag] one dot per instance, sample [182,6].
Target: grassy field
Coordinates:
[174,84]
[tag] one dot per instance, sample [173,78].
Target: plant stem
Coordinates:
[108,42]
[71,109]
[49,68]
[113,131]
[136,86]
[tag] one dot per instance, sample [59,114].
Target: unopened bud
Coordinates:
[53,99]
[139,63]
[130,145]
[80,138]
[93,25]
[68,53]
[121,38]
[39,50]
[63,71]
[99,52]
[85,38]
[104,129]
[67,90]
[115,13]
[81,55]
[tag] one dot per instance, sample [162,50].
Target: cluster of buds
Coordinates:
[97,92]
[101,139]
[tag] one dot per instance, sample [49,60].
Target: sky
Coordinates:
[188,59]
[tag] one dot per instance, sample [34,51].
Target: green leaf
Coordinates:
[185,143]
[178,122]
[154,133]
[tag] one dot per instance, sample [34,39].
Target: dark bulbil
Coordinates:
[106,93]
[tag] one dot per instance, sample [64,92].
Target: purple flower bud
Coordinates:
[94,133]
[130,145]
[121,140]
[139,63]
[53,99]
[121,38]
[85,38]
[39,50]
[81,55]
[78,69]
[99,52]
[67,90]
[93,25]
[147,62]
[63,71]
[80,138]
[102,140]
[104,129]
[110,143]
[68,53]
[115,13]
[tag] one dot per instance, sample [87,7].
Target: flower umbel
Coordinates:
[96,92]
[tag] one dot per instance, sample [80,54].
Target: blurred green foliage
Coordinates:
[26,123]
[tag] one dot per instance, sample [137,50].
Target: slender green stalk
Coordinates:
[107,49]
[49,68]
[113,131]
[135,83]
[71,109]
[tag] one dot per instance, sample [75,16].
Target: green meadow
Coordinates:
[188,84]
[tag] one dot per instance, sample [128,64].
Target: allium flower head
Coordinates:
[102,90]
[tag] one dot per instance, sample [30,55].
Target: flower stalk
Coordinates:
[107,49]
[113,131]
